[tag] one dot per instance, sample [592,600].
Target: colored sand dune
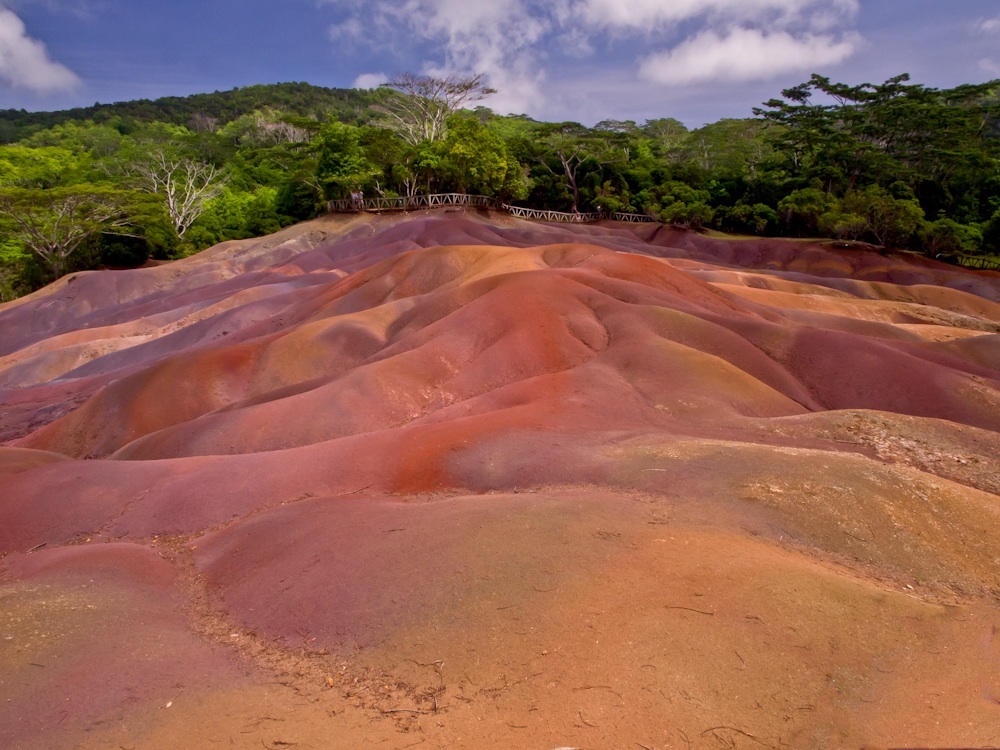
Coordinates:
[469,481]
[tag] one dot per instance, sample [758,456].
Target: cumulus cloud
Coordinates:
[514,42]
[744,55]
[25,63]
[369,80]
[652,14]
[500,38]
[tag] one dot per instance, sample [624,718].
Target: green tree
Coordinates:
[15,264]
[801,210]
[184,184]
[948,236]
[394,158]
[234,214]
[297,200]
[268,127]
[421,105]
[343,165]
[843,226]
[476,159]
[53,224]
[668,133]
[42,166]
[693,215]
[991,234]
[573,152]
[893,222]
[941,143]
[757,218]
[728,147]
[97,140]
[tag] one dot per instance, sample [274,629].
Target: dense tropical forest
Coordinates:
[897,164]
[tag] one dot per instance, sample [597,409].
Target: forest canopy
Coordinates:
[897,164]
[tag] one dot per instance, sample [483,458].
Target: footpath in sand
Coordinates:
[455,480]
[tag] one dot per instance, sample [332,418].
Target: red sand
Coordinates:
[468,481]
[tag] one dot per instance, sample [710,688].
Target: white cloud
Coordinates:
[515,42]
[652,14]
[575,43]
[500,38]
[990,65]
[24,61]
[369,80]
[989,25]
[744,55]
[349,31]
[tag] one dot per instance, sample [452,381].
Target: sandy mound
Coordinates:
[457,479]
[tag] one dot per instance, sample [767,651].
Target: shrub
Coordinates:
[802,209]
[693,215]
[948,236]
[842,226]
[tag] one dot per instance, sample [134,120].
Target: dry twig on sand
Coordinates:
[689,609]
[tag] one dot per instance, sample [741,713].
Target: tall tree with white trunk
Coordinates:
[424,103]
[184,184]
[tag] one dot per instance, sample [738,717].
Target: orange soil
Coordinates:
[457,480]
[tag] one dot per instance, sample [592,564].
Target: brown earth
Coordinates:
[456,480]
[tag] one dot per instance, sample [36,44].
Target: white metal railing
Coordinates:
[436,200]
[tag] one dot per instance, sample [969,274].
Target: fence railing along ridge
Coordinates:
[440,200]
[969,261]
[983,263]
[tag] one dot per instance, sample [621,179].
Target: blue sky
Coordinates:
[585,60]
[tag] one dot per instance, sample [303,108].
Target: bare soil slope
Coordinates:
[457,480]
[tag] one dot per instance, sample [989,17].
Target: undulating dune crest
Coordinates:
[458,478]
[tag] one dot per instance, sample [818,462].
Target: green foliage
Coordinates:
[42,166]
[234,215]
[79,137]
[668,133]
[728,148]
[675,191]
[893,222]
[343,166]
[611,197]
[825,159]
[742,218]
[475,159]
[843,226]
[267,127]
[120,250]
[16,265]
[691,215]
[56,223]
[948,236]
[802,209]
[991,234]
[206,111]
[941,145]
[296,200]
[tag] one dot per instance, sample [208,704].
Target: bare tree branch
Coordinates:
[184,184]
[424,103]
[54,223]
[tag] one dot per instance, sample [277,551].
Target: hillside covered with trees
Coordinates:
[896,164]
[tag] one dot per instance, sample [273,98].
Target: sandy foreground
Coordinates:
[455,480]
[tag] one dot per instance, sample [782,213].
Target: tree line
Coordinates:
[897,164]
